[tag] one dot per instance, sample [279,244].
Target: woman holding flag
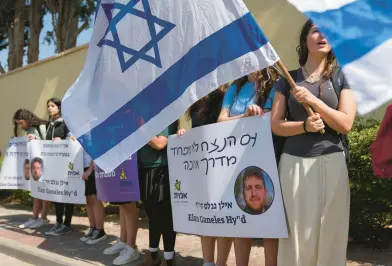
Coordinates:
[248,96]
[313,170]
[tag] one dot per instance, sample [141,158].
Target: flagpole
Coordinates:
[293,85]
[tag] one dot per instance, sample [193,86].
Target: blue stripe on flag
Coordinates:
[233,41]
[355,29]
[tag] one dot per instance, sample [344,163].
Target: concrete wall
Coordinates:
[30,87]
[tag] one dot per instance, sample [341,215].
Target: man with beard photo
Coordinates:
[36,165]
[26,168]
[254,191]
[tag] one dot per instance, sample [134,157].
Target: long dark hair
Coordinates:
[31,119]
[57,102]
[207,109]
[303,51]
[266,78]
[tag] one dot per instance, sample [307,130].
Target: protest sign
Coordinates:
[15,170]
[120,185]
[56,171]
[224,181]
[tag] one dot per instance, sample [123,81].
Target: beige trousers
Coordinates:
[316,196]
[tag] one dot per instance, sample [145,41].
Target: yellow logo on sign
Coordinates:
[123,175]
[177,185]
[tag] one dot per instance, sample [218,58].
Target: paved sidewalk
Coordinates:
[187,246]
[8,260]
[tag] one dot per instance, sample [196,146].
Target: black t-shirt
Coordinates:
[311,144]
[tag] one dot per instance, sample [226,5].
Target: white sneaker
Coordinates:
[129,255]
[115,248]
[27,224]
[39,223]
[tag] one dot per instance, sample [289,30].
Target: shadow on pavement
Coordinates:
[70,246]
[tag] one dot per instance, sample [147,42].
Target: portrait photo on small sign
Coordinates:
[254,191]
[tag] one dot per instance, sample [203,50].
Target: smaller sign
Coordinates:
[120,185]
[15,170]
[56,171]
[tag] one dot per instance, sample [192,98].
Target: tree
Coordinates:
[16,36]
[66,17]
[36,13]
[13,31]
[21,23]
[6,7]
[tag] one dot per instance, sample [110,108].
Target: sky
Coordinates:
[46,50]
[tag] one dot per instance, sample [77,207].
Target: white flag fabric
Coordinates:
[148,61]
[360,32]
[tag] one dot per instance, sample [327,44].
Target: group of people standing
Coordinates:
[312,166]
[39,129]
[154,190]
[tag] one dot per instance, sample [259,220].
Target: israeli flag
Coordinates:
[149,60]
[360,32]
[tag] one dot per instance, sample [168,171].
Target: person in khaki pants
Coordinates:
[313,170]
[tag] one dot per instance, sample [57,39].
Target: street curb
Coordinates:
[34,255]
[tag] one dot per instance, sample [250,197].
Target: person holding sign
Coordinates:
[57,130]
[204,112]
[35,128]
[313,169]
[126,244]
[155,194]
[248,96]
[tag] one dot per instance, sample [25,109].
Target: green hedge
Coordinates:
[371,198]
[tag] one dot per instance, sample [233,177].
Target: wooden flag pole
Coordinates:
[293,84]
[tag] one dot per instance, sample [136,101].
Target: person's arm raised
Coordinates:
[224,115]
[282,127]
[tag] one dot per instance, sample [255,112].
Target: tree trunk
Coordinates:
[19,24]
[65,19]
[71,31]
[70,25]
[35,18]
[11,48]
[2,71]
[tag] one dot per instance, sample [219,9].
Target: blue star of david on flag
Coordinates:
[151,21]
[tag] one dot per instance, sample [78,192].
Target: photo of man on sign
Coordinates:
[26,168]
[37,167]
[254,191]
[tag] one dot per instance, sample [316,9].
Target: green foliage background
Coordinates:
[371,197]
